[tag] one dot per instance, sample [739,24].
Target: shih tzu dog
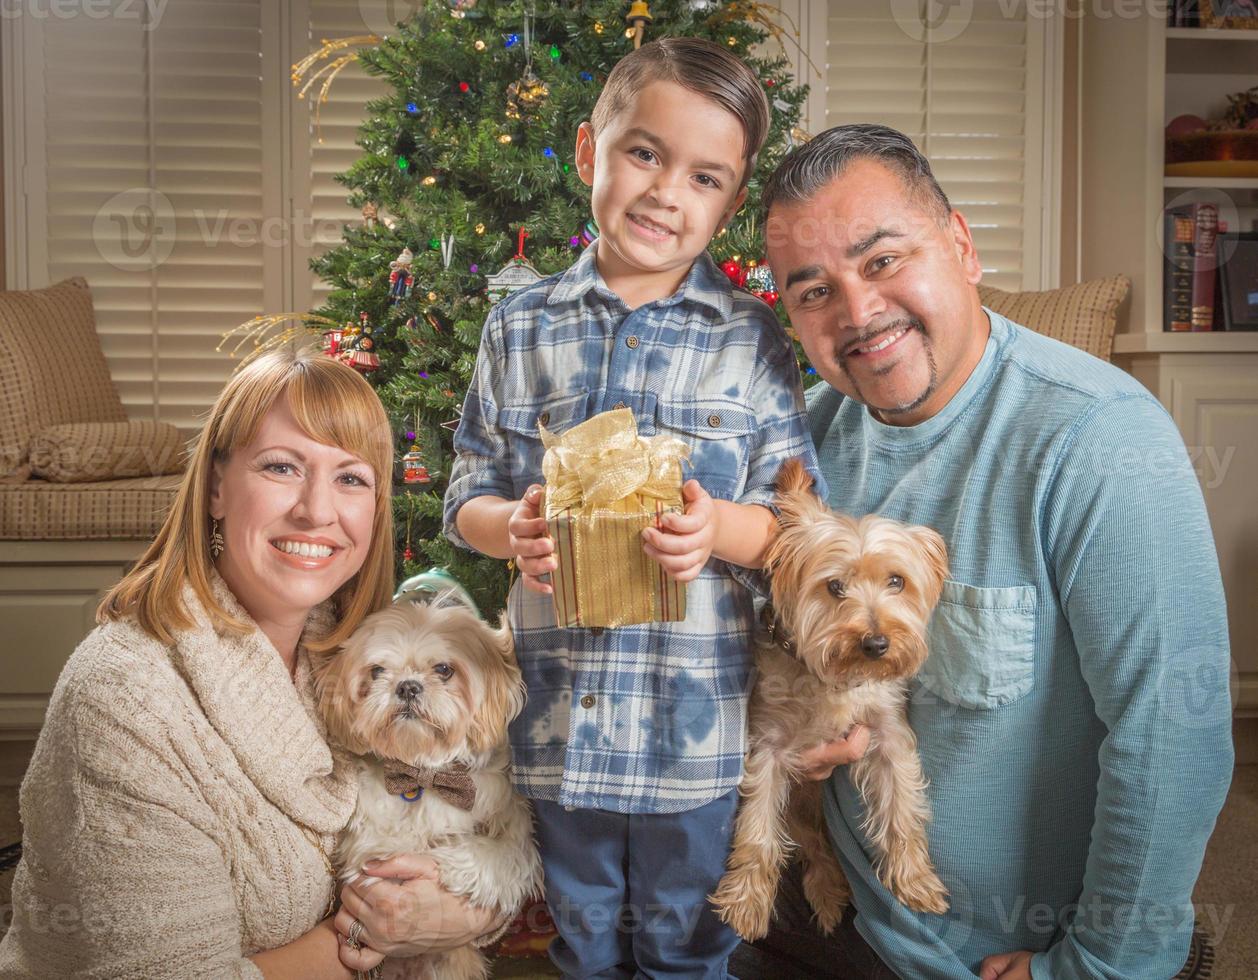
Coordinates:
[852,600]
[422,694]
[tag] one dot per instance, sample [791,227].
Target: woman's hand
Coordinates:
[409,916]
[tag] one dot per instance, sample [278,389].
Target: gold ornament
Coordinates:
[638,17]
[429,181]
[326,74]
[598,27]
[432,297]
[526,96]
[504,138]
[479,45]
[480,229]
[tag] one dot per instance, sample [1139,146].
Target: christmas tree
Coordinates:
[466,172]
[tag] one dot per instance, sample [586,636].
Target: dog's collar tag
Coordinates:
[769,620]
[412,795]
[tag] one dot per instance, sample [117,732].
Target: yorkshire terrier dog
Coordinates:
[422,694]
[852,600]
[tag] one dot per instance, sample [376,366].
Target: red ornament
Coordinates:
[408,554]
[464,87]
[737,274]
[770,296]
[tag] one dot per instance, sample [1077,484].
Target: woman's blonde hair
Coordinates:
[334,405]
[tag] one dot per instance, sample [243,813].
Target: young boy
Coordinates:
[632,740]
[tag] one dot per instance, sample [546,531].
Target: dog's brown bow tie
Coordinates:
[452,784]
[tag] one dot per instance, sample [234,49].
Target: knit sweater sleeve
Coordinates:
[1129,544]
[124,877]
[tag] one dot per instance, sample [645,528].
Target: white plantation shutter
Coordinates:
[330,149]
[154,188]
[972,101]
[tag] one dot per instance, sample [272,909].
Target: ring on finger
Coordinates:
[354,939]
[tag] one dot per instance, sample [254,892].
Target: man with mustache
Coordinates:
[1074,716]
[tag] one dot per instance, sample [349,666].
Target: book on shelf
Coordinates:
[1205,259]
[1177,275]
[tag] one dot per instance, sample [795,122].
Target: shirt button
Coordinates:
[544,418]
[714,420]
[587,701]
[631,343]
[619,405]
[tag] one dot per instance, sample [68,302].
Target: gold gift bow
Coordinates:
[603,460]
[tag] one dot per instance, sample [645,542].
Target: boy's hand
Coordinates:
[534,551]
[683,543]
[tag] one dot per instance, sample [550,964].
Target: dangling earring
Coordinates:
[216,540]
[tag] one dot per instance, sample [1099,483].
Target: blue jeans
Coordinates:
[628,891]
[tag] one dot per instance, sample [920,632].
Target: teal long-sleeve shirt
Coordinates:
[1074,714]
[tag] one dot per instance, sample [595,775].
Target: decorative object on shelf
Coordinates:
[516,274]
[400,279]
[638,17]
[1238,279]
[1233,14]
[1224,147]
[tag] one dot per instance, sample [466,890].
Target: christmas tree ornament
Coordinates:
[526,96]
[598,29]
[701,6]
[733,268]
[401,281]
[464,87]
[361,355]
[331,53]
[447,250]
[408,554]
[332,342]
[638,17]
[480,228]
[413,468]
[760,282]
[589,233]
[479,45]
[371,216]
[516,274]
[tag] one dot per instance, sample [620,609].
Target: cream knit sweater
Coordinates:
[164,806]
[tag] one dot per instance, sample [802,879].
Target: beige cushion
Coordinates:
[111,510]
[1083,315]
[52,370]
[82,452]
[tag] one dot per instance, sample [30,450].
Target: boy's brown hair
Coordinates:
[703,67]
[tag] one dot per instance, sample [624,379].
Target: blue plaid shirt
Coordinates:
[650,718]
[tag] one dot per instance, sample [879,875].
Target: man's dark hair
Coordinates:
[808,168]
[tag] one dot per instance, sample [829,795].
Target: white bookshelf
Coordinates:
[1137,75]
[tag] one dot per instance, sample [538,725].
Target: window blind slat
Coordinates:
[963,101]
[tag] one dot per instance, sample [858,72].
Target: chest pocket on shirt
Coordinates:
[719,433]
[982,645]
[519,420]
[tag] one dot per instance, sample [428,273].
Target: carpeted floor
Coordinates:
[1226,896]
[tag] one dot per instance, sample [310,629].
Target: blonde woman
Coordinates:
[182,801]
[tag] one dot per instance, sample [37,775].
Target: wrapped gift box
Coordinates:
[604,485]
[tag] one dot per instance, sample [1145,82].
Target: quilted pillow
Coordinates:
[84,452]
[1084,315]
[52,370]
